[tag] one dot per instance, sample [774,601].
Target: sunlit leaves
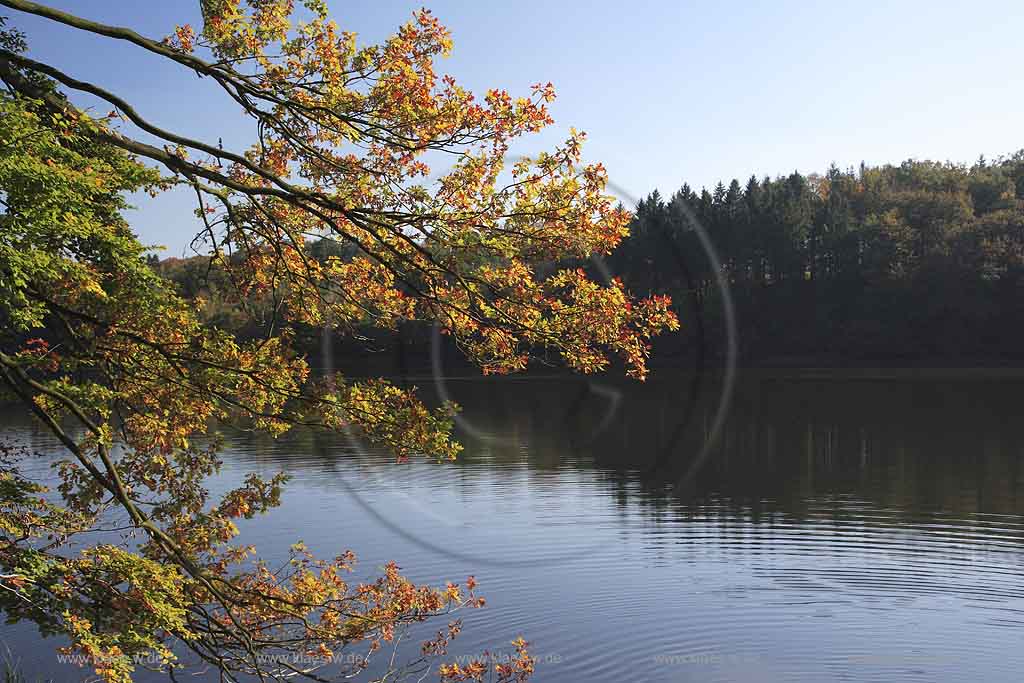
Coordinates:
[128,360]
[347,141]
[355,127]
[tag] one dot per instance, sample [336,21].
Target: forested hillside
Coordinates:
[920,263]
[913,263]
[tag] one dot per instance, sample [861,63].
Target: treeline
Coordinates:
[223,304]
[916,263]
[203,278]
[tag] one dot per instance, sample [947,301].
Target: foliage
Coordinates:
[129,375]
[896,262]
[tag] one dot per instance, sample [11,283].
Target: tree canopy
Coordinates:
[132,380]
[895,263]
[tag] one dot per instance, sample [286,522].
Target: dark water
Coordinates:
[839,530]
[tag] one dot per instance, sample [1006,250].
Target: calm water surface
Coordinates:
[838,530]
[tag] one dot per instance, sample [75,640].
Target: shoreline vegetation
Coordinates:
[128,371]
[917,265]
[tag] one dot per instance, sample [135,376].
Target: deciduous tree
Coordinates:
[121,369]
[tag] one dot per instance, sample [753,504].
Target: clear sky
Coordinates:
[666,90]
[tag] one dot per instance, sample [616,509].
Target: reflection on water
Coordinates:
[838,530]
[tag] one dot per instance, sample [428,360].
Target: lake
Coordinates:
[863,528]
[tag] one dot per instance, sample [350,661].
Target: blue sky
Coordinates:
[667,91]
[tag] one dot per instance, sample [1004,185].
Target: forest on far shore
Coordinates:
[915,263]
[920,263]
